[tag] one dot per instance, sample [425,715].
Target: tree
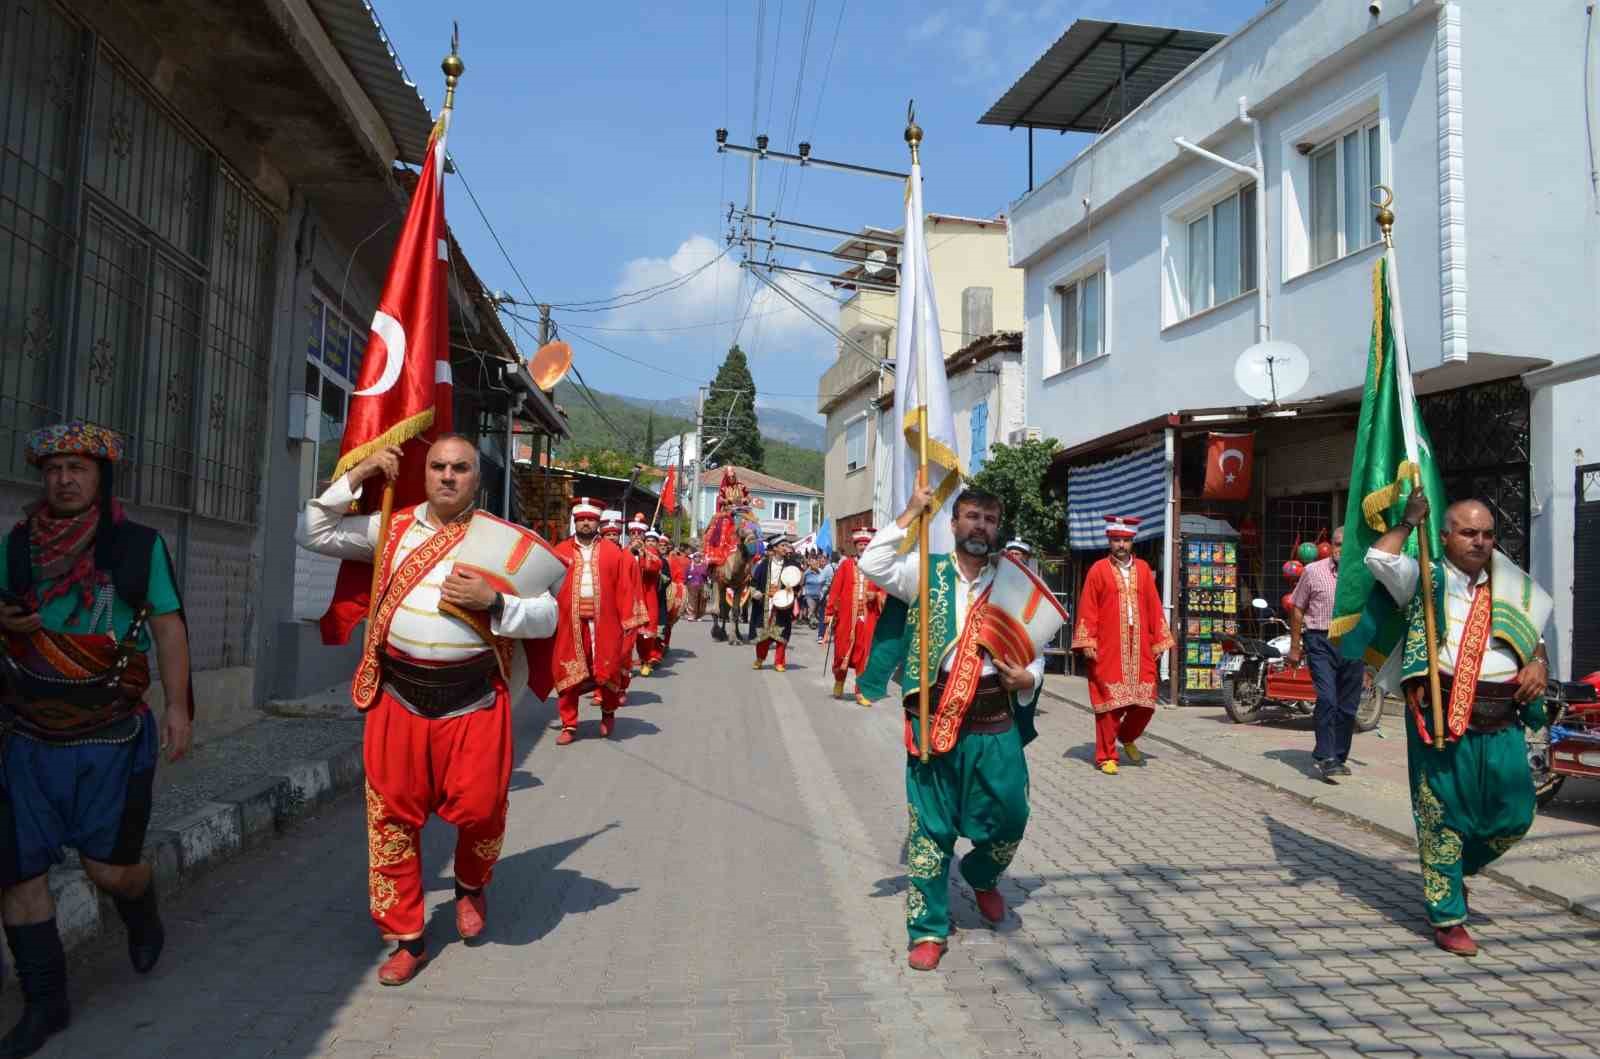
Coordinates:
[603,461]
[649,457]
[1016,474]
[730,414]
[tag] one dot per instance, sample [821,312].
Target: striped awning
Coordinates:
[1134,484]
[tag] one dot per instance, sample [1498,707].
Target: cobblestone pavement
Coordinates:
[724,878]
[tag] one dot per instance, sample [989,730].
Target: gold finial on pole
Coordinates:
[913,130]
[453,67]
[1384,199]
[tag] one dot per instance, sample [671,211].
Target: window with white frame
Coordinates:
[1220,251]
[785,510]
[1081,316]
[1343,172]
[855,444]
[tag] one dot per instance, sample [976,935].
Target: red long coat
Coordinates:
[649,587]
[678,571]
[569,665]
[854,604]
[1123,672]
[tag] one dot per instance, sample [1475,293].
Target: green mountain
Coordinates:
[630,424]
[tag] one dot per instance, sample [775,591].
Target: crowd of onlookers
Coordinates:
[818,570]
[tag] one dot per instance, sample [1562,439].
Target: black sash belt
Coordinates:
[1494,704]
[989,714]
[434,691]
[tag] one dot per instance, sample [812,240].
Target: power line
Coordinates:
[492,233]
[816,116]
[665,330]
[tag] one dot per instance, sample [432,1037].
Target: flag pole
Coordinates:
[453,68]
[1424,536]
[914,141]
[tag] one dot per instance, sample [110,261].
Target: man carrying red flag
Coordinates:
[649,560]
[435,689]
[1122,633]
[854,604]
[588,653]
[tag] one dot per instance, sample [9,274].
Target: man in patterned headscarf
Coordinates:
[85,589]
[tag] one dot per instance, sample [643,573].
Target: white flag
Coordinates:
[919,361]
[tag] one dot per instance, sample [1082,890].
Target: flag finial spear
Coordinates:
[453,67]
[913,130]
[1385,199]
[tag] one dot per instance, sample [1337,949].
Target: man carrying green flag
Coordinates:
[1471,792]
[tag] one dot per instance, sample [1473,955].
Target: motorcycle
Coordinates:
[1259,684]
[1570,746]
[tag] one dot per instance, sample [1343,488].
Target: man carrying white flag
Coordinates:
[968,714]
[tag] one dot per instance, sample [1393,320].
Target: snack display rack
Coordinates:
[1208,611]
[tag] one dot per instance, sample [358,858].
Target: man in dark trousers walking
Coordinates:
[1338,680]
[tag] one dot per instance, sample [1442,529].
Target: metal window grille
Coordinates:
[1480,438]
[40,67]
[135,274]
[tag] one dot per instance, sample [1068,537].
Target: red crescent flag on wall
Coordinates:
[404,393]
[1230,459]
[669,492]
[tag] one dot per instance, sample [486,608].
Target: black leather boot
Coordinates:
[146,935]
[42,971]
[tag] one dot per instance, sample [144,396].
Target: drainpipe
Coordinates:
[1259,172]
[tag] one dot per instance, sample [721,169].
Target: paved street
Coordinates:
[725,878]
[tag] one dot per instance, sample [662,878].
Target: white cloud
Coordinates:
[721,292]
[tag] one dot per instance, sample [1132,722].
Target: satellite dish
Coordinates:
[550,364]
[1272,371]
[878,264]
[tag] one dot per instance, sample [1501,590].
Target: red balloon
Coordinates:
[1324,550]
[1293,569]
[1287,601]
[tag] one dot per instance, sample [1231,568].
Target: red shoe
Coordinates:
[991,904]
[400,967]
[608,724]
[1455,940]
[472,912]
[567,737]
[925,955]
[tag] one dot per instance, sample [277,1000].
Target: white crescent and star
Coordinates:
[1222,464]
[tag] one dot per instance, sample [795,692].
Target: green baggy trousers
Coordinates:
[979,790]
[1472,801]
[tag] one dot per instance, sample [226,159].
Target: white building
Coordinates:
[1142,268]
[979,298]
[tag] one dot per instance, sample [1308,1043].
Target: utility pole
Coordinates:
[677,525]
[544,325]
[699,459]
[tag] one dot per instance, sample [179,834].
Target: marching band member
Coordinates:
[595,601]
[772,603]
[854,604]
[435,688]
[981,713]
[1122,633]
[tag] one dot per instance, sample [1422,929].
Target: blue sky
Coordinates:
[586,131]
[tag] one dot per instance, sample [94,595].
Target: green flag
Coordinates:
[1391,444]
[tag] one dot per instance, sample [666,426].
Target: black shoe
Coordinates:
[1325,771]
[42,972]
[146,934]
[1341,769]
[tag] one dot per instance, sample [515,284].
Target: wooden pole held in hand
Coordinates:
[1430,619]
[383,543]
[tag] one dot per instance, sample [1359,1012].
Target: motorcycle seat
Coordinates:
[1272,652]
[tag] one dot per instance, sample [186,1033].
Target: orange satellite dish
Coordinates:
[550,364]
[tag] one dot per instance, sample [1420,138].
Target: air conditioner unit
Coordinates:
[1021,434]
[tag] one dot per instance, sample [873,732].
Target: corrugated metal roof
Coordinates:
[1077,85]
[355,30]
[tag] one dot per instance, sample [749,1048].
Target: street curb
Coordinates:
[211,835]
[1539,880]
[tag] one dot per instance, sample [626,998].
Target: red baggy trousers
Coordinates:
[1118,726]
[457,768]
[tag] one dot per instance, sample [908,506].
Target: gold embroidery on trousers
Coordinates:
[387,843]
[1502,843]
[1002,852]
[382,892]
[489,848]
[916,905]
[1439,846]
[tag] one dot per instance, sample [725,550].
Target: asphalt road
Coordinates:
[725,877]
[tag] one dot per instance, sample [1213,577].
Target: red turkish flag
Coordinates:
[669,491]
[1229,461]
[404,394]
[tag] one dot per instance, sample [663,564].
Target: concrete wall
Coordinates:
[1565,431]
[847,492]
